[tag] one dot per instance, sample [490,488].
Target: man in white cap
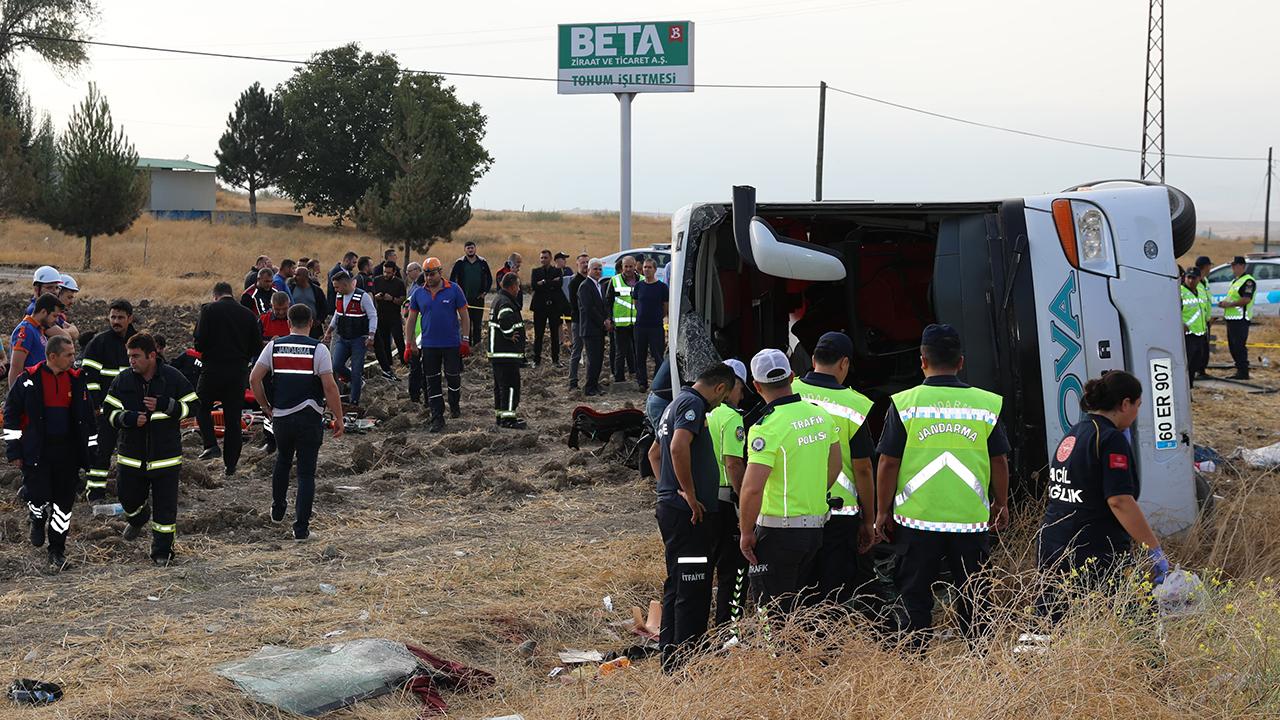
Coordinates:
[729,439]
[47,279]
[793,459]
[67,291]
[687,509]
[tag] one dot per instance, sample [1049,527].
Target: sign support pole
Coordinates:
[624,205]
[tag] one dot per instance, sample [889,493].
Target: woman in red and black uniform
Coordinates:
[1093,514]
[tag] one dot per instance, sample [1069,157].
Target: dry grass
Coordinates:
[183,259]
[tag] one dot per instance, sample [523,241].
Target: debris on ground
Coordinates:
[34,692]
[1181,593]
[319,679]
[578,657]
[1264,457]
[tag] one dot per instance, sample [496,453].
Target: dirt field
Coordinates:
[474,542]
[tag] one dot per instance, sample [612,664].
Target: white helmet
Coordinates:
[69,283]
[47,274]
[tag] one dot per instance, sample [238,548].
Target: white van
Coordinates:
[1046,291]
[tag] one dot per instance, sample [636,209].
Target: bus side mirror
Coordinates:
[793,259]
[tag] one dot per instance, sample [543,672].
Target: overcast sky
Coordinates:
[1074,70]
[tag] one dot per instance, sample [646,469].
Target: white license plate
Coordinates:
[1162,410]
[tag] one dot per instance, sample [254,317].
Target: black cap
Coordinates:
[560,256]
[835,343]
[1238,260]
[941,336]
[1192,272]
[1203,260]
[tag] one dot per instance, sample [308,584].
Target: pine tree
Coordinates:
[252,153]
[95,187]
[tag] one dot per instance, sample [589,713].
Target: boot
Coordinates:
[437,424]
[513,424]
[58,561]
[131,532]
[37,531]
[1240,375]
[455,412]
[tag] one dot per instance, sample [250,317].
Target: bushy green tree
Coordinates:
[435,142]
[42,27]
[95,187]
[253,152]
[339,110]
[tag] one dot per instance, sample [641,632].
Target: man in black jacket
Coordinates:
[575,352]
[388,294]
[506,352]
[257,297]
[591,317]
[148,404]
[471,273]
[349,264]
[50,435]
[262,263]
[548,294]
[103,359]
[227,338]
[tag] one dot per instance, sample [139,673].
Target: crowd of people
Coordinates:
[292,339]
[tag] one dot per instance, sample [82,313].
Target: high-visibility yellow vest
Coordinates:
[1233,295]
[794,439]
[945,476]
[1193,312]
[849,409]
[624,303]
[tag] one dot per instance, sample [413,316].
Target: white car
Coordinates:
[1265,270]
[660,253]
[1047,291]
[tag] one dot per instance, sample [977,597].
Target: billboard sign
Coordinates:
[625,57]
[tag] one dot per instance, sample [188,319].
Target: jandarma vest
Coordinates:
[293,372]
[849,409]
[945,476]
[353,322]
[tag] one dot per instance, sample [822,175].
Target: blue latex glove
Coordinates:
[1160,565]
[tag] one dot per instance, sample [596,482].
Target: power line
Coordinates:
[1025,133]
[534,78]
[407,71]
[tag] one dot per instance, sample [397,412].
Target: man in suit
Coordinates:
[228,338]
[590,325]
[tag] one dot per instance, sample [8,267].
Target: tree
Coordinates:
[338,110]
[252,152]
[434,141]
[95,188]
[43,27]
[17,181]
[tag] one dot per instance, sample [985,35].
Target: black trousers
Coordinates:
[964,553]
[475,311]
[624,352]
[162,486]
[434,360]
[51,488]
[784,571]
[1237,339]
[595,362]
[225,385]
[838,573]
[1197,355]
[416,377]
[650,343]
[100,465]
[297,434]
[390,331]
[506,389]
[731,566]
[541,319]
[686,593]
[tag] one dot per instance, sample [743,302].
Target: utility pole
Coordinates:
[1153,100]
[822,131]
[624,205]
[1266,213]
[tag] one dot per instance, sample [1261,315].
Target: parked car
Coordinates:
[1047,292]
[1265,270]
[661,253]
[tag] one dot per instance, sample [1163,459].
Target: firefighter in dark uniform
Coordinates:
[1093,512]
[147,404]
[50,433]
[506,352]
[688,509]
[103,359]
